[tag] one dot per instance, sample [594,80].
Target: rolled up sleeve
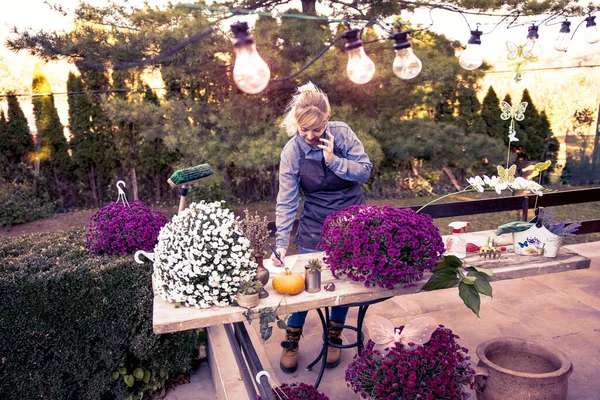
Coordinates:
[287,202]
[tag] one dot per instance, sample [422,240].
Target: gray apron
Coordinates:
[324,193]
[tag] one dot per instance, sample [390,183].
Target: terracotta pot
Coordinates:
[247,300]
[514,369]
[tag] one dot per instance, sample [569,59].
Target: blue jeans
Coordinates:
[338,314]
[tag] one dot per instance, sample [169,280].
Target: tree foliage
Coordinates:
[55,162]
[16,143]
[204,117]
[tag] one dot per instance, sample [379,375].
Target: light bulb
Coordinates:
[564,37]
[251,73]
[406,64]
[533,44]
[360,67]
[592,35]
[535,47]
[472,57]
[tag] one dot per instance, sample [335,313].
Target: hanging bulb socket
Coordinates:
[590,21]
[354,42]
[565,27]
[241,37]
[400,40]
[475,37]
[532,32]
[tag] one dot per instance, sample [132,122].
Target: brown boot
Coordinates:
[333,353]
[289,356]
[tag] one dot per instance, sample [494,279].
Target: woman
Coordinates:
[327,161]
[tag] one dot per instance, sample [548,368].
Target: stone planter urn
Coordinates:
[515,369]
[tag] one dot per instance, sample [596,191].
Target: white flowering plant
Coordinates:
[201,257]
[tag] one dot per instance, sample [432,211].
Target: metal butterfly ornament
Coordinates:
[506,175]
[416,333]
[512,112]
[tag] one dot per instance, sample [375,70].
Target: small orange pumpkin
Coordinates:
[288,282]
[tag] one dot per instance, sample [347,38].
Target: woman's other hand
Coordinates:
[281,251]
[327,146]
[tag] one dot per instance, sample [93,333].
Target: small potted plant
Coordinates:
[312,275]
[247,295]
[256,230]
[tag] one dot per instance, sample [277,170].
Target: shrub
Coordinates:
[69,320]
[437,370]
[119,229]
[20,203]
[381,246]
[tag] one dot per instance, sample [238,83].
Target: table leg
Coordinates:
[362,311]
[323,353]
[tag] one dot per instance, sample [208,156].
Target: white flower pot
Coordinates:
[537,242]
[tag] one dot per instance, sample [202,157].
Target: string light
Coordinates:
[564,39]
[533,37]
[250,72]
[360,68]
[472,57]
[592,35]
[406,64]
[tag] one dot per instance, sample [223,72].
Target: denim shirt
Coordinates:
[349,162]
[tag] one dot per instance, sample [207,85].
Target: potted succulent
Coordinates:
[256,230]
[312,275]
[247,294]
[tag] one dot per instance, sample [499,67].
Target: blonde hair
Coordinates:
[309,107]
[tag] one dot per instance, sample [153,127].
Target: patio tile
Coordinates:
[551,315]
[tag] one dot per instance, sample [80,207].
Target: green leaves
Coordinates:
[470,297]
[450,271]
[442,279]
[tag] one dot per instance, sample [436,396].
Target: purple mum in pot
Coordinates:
[118,229]
[439,369]
[381,245]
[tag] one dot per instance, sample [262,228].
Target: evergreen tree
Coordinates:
[469,112]
[490,113]
[93,152]
[531,131]
[56,163]
[17,131]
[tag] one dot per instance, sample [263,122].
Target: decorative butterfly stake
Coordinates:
[523,54]
[506,175]
[382,332]
[513,113]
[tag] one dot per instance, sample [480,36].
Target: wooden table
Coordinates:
[167,318]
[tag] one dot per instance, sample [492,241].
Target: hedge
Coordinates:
[70,320]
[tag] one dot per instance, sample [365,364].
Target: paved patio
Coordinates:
[562,310]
